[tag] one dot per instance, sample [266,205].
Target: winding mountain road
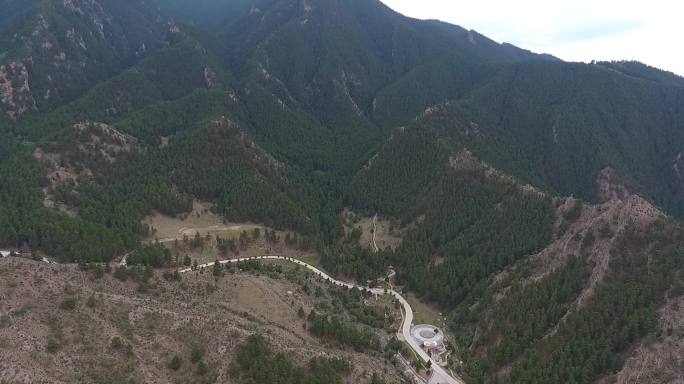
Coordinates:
[439,375]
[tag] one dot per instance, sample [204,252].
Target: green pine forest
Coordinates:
[286,116]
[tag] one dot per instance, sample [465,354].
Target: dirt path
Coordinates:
[375,230]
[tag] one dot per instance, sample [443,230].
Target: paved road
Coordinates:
[439,376]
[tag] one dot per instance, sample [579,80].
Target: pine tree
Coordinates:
[218,269]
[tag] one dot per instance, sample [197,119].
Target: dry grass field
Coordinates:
[171,231]
[201,220]
[59,324]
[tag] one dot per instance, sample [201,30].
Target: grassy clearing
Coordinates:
[386,235]
[201,220]
[171,231]
[209,252]
[312,259]
[168,227]
[424,313]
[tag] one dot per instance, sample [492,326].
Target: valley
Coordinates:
[439,376]
[327,175]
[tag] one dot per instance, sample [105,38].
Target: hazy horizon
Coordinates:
[573,31]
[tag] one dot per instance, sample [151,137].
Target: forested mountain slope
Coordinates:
[525,274]
[290,112]
[58,50]
[244,182]
[13,8]
[209,14]
[181,68]
[333,60]
[558,125]
[640,70]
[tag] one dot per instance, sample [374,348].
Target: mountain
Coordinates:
[529,275]
[13,8]
[640,70]
[61,50]
[560,126]
[208,14]
[532,202]
[351,59]
[104,329]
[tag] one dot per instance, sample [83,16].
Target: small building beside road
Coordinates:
[431,340]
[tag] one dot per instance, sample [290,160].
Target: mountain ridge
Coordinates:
[522,193]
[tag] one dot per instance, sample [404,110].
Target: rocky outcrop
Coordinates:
[210,77]
[465,160]
[610,186]
[678,166]
[15,91]
[659,359]
[94,143]
[64,47]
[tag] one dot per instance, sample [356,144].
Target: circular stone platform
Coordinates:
[425,333]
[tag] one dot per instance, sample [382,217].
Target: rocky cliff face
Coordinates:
[64,47]
[15,92]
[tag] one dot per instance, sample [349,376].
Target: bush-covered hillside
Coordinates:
[296,114]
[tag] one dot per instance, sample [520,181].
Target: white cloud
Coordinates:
[575,30]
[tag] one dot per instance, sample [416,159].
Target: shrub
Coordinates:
[69,304]
[155,255]
[171,276]
[202,369]
[218,269]
[197,353]
[136,273]
[575,212]
[605,232]
[116,343]
[143,287]
[53,345]
[91,302]
[121,273]
[175,363]
[588,240]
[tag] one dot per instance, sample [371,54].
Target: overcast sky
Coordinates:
[650,31]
